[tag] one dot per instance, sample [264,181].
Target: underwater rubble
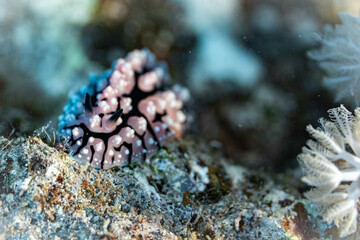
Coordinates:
[187,190]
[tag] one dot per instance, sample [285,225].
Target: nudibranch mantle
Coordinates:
[124,115]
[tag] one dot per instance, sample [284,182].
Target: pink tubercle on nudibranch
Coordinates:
[124,115]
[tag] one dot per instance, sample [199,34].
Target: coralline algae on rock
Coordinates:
[123,115]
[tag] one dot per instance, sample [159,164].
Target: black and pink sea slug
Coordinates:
[124,115]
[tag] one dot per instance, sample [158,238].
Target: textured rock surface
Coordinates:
[187,190]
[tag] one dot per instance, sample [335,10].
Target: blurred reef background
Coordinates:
[253,91]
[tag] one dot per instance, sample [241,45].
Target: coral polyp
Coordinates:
[338,56]
[331,165]
[123,115]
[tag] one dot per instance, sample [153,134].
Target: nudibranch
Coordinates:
[123,115]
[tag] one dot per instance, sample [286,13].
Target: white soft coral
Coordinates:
[331,165]
[339,56]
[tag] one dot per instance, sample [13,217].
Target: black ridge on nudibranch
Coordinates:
[116,116]
[123,115]
[88,106]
